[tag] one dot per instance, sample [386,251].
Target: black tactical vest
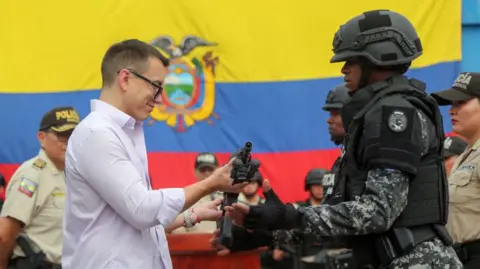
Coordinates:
[329,185]
[428,191]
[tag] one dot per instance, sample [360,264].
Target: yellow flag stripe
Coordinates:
[55,45]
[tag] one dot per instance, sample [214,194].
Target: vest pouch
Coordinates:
[393,244]
[385,250]
[400,241]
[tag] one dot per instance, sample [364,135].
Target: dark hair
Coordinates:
[130,53]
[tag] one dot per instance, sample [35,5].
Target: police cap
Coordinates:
[314,176]
[336,98]
[206,159]
[384,37]
[60,119]
[465,87]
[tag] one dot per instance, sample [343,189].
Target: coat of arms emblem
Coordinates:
[189,87]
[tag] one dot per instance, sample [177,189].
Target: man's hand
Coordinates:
[242,240]
[238,211]
[215,243]
[220,179]
[209,210]
[273,215]
[278,254]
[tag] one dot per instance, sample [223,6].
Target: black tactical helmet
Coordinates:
[336,98]
[384,37]
[314,176]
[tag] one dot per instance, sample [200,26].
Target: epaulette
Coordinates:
[39,163]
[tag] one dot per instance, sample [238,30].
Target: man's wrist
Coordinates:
[293,216]
[194,218]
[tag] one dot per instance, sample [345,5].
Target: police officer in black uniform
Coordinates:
[314,185]
[313,179]
[391,193]
[334,102]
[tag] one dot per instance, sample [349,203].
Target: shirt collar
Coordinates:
[119,117]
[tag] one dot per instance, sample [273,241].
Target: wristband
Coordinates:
[197,219]
[186,219]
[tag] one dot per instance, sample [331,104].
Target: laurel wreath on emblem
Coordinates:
[189,92]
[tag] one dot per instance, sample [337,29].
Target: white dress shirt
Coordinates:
[113,219]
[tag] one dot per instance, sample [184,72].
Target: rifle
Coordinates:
[244,168]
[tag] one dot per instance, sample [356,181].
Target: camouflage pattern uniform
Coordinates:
[390,156]
[384,198]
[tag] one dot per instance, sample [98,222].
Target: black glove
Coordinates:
[272,215]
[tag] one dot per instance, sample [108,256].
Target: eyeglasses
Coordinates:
[157,87]
[59,137]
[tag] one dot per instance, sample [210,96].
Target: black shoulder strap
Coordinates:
[392,89]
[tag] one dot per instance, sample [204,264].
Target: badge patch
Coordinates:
[397,121]
[447,143]
[27,187]
[39,163]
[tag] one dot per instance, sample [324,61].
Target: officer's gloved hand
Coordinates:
[242,240]
[272,215]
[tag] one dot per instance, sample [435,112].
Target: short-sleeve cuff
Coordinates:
[173,203]
[25,219]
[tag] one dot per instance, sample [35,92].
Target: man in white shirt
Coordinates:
[113,219]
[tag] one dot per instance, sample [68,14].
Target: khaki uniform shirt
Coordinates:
[242,199]
[203,226]
[464,187]
[36,196]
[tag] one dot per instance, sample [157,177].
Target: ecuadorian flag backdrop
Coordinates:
[257,71]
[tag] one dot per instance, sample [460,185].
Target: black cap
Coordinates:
[336,98]
[314,176]
[465,87]
[60,119]
[206,159]
[453,146]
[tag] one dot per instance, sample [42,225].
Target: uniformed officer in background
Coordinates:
[336,99]
[205,164]
[464,180]
[392,154]
[35,198]
[249,194]
[314,186]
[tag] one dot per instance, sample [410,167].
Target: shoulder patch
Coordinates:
[397,121]
[39,163]
[27,187]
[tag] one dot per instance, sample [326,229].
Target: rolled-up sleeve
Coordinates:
[172,205]
[103,162]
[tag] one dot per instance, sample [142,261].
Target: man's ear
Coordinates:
[123,79]
[41,137]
